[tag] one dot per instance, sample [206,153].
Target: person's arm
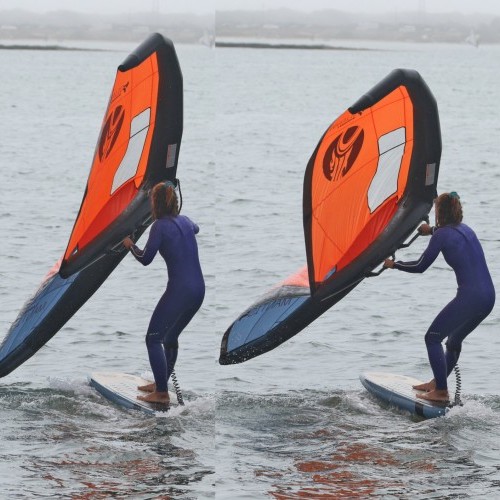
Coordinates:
[146,256]
[426,259]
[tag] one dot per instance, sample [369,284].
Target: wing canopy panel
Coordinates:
[121,155]
[358,175]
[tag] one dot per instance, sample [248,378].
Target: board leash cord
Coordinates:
[177,388]
[458,389]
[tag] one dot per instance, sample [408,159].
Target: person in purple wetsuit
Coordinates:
[475,294]
[173,236]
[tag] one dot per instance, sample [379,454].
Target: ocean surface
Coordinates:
[295,422]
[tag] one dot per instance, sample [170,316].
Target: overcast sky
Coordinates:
[208,6]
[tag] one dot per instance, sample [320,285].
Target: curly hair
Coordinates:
[164,201]
[448,209]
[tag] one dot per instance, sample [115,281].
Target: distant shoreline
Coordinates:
[244,45]
[218,44]
[45,47]
[260,45]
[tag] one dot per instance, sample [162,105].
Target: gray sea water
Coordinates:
[295,422]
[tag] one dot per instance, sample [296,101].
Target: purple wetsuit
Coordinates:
[174,238]
[474,300]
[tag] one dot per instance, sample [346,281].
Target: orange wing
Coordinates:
[382,150]
[138,147]
[121,154]
[360,173]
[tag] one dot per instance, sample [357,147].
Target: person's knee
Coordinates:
[432,338]
[153,338]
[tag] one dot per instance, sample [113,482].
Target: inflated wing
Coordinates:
[370,181]
[138,146]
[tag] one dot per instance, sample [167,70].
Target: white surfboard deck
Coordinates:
[121,389]
[397,390]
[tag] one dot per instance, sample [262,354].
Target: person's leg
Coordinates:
[156,353]
[445,321]
[457,336]
[158,391]
[171,342]
[158,362]
[437,359]
[452,354]
[459,318]
[172,314]
[171,355]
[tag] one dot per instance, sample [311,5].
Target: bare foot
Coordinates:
[427,386]
[440,395]
[147,388]
[156,397]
